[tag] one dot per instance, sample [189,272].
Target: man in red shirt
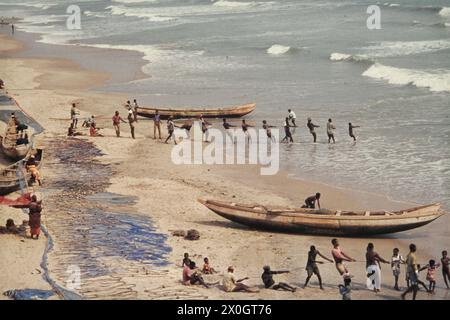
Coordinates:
[116,122]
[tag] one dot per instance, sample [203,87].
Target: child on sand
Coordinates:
[445,268]
[267,278]
[186,260]
[431,274]
[346,290]
[396,261]
[207,269]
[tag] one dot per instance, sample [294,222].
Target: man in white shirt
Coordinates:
[230,284]
[292,117]
[330,131]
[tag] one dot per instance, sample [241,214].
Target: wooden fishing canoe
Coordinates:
[11,149]
[9,177]
[231,112]
[325,222]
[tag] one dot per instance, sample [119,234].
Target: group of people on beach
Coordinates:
[192,275]
[186,126]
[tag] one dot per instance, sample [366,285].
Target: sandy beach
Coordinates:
[167,194]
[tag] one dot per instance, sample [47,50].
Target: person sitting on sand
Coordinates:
[72,132]
[35,208]
[207,269]
[93,130]
[87,123]
[171,130]
[311,126]
[431,274]
[350,130]
[339,257]
[186,260]
[269,283]
[373,270]
[32,167]
[311,265]
[230,284]
[445,268]
[346,290]
[191,276]
[396,261]
[117,119]
[310,202]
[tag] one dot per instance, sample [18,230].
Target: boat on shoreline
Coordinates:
[10,147]
[165,113]
[10,179]
[323,221]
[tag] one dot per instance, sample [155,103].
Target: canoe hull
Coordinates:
[329,225]
[9,182]
[165,113]
[16,153]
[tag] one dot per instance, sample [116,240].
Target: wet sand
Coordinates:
[166,194]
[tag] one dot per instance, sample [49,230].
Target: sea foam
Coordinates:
[435,80]
[445,12]
[278,49]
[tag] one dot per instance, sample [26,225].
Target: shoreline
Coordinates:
[142,167]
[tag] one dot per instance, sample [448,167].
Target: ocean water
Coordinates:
[316,57]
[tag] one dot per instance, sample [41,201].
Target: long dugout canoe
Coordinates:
[165,113]
[325,222]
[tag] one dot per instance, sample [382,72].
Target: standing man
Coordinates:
[311,265]
[287,131]
[157,124]
[131,121]
[135,106]
[350,130]
[245,127]
[292,117]
[205,125]
[310,202]
[373,270]
[339,257]
[170,130]
[74,115]
[12,28]
[117,119]
[311,126]
[412,269]
[35,208]
[227,126]
[267,127]
[330,131]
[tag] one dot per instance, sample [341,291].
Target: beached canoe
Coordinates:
[231,112]
[325,222]
[11,149]
[10,179]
